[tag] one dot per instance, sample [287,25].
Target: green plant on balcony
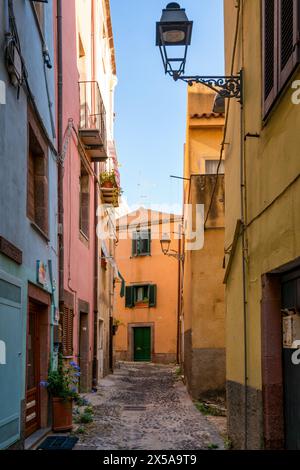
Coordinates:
[108,179]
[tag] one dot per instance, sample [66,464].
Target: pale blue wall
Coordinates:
[14,224]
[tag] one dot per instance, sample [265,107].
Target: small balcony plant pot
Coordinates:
[114,329]
[107,184]
[62,414]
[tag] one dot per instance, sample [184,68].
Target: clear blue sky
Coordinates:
[150,107]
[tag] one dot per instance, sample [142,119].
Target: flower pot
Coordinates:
[114,329]
[107,184]
[61,414]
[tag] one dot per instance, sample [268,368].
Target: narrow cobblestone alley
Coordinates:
[146,406]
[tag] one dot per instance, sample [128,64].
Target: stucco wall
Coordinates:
[14,223]
[155,269]
[271,163]
[203,291]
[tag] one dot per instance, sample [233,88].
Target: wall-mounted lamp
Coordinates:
[175,29]
[165,244]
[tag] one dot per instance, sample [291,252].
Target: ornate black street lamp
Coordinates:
[175,29]
[165,243]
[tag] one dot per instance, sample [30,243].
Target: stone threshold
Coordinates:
[32,441]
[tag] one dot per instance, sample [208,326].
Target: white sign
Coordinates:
[2,353]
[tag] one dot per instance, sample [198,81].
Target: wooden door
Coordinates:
[33,372]
[142,344]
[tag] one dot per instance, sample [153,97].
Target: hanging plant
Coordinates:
[108,179]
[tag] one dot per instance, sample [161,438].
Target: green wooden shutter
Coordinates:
[152,295]
[129,301]
[134,245]
[149,242]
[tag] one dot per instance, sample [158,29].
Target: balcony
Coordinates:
[92,128]
[110,179]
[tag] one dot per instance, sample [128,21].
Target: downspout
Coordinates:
[244,236]
[60,147]
[95,356]
[96,247]
[179,298]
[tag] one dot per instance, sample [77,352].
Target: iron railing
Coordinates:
[92,110]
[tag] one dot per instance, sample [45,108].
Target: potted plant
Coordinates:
[62,386]
[116,325]
[108,179]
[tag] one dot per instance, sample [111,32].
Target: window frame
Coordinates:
[36,137]
[281,78]
[67,331]
[82,229]
[131,299]
[136,241]
[217,161]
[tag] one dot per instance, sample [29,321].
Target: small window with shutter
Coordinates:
[67,331]
[211,167]
[280,47]
[84,194]
[141,295]
[37,175]
[141,243]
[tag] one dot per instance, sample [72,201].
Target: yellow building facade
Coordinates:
[262,237]
[146,316]
[203,305]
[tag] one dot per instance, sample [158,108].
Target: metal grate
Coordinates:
[134,408]
[58,443]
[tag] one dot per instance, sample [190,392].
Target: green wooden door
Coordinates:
[142,344]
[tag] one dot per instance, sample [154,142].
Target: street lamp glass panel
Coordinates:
[174,36]
[165,243]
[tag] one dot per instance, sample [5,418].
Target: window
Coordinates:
[37,177]
[67,331]
[211,167]
[141,294]
[141,243]
[84,201]
[281,52]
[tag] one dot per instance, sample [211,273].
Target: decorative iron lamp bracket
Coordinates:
[177,256]
[226,86]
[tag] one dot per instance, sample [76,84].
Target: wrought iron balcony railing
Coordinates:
[92,128]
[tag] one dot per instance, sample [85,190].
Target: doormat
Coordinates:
[58,443]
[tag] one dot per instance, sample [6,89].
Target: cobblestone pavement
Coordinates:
[145,406]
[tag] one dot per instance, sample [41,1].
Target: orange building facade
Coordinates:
[147,315]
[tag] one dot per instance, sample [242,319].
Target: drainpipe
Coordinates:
[95,361]
[59,146]
[244,234]
[179,299]
[96,170]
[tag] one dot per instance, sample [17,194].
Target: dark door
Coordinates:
[33,373]
[142,344]
[291,372]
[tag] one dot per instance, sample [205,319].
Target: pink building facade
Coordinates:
[86,117]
